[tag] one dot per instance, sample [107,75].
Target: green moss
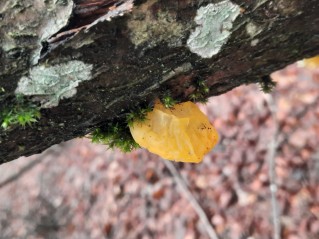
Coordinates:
[267,84]
[200,92]
[22,113]
[198,98]
[118,135]
[168,100]
[138,114]
[115,136]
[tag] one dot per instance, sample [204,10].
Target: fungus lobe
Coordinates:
[311,63]
[181,133]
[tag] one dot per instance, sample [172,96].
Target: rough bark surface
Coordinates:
[88,62]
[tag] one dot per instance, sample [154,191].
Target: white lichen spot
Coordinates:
[252,29]
[215,22]
[60,18]
[50,84]
[54,18]
[151,29]
[254,42]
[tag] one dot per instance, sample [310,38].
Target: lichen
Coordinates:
[145,27]
[254,42]
[58,17]
[289,7]
[215,22]
[51,84]
[252,29]
[31,22]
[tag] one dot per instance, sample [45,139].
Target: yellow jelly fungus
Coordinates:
[311,63]
[181,133]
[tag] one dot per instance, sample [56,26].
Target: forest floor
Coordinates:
[260,182]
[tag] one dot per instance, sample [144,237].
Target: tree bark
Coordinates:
[89,62]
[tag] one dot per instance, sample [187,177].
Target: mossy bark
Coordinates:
[135,51]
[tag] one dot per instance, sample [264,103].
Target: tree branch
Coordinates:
[88,63]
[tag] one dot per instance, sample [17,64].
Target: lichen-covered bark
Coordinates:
[101,58]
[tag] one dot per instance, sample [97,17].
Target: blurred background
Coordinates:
[260,182]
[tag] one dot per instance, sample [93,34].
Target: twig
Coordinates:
[272,149]
[189,196]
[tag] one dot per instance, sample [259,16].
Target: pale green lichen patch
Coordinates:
[215,22]
[58,17]
[147,28]
[60,14]
[25,23]
[289,7]
[252,29]
[50,84]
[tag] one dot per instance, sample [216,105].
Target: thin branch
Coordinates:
[190,197]
[272,149]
